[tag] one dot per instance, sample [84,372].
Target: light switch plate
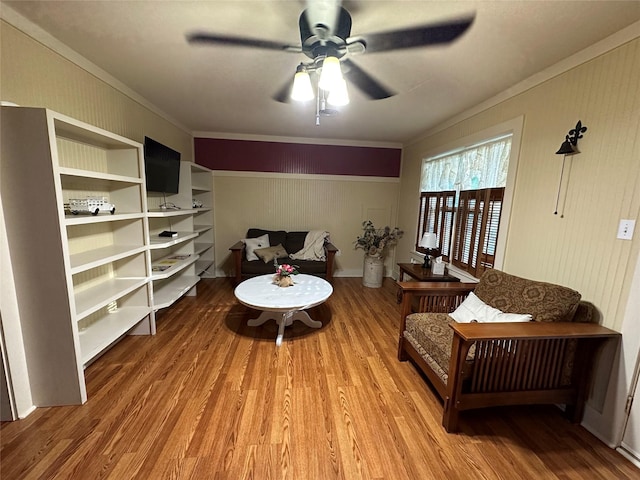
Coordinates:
[625,229]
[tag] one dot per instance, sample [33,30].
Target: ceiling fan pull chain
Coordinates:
[318,109]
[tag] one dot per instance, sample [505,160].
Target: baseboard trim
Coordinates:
[27,412]
[629,456]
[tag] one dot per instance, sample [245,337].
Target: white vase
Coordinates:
[373,271]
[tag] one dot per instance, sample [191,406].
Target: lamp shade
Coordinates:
[331,73]
[338,95]
[429,240]
[302,90]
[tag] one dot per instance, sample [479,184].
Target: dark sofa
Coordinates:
[292,242]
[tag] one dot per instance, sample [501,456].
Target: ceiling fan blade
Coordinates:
[284,94]
[424,35]
[365,82]
[211,38]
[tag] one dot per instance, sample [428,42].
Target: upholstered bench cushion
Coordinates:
[432,337]
[545,302]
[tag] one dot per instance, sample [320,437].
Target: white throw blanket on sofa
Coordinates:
[313,246]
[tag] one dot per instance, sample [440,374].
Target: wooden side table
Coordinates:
[415,271]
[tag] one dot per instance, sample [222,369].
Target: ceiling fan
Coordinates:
[325,35]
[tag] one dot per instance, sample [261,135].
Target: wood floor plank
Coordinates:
[209,397]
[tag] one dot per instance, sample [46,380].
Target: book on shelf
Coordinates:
[182,256]
[167,261]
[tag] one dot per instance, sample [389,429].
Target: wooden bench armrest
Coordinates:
[436,288]
[530,330]
[239,245]
[331,251]
[330,247]
[237,249]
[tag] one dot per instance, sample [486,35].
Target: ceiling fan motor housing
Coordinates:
[317,40]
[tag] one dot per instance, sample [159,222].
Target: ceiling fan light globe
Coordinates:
[330,74]
[302,90]
[339,96]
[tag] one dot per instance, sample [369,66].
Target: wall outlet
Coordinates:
[625,229]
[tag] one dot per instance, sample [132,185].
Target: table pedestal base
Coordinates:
[284,319]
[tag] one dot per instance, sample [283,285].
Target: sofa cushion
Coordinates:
[268,254]
[276,237]
[545,302]
[295,241]
[432,337]
[311,267]
[304,266]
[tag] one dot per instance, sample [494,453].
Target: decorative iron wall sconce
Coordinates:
[570,144]
[569,147]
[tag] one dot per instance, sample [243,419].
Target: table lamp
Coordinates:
[429,242]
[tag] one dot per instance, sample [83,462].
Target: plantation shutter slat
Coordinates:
[477,228]
[436,215]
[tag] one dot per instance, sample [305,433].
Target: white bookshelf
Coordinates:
[82,281]
[202,193]
[181,278]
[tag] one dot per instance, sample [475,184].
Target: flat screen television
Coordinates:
[161,167]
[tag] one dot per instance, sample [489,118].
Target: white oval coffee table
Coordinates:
[283,304]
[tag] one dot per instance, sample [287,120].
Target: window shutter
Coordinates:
[436,215]
[476,230]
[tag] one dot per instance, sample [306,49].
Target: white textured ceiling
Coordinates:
[229,89]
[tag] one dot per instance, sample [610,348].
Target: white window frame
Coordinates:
[513,127]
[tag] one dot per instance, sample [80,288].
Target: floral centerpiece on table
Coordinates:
[282,278]
[374,241]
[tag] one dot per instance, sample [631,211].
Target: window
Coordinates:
[476,231]
[461,201]
[436,215]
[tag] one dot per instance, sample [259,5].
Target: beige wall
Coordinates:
[338,204]
[581,249]
[35,76]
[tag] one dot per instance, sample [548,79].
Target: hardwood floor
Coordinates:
[210,398]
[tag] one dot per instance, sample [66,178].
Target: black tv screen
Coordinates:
[161,167]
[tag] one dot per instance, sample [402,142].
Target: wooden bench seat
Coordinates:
[477,365]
